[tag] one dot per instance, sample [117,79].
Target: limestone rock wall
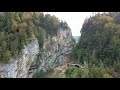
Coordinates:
[18,68]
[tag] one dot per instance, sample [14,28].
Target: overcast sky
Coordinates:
[74,19]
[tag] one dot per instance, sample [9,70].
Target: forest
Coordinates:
[98,49]
[17,29]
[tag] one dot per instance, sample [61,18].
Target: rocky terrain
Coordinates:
[55,52]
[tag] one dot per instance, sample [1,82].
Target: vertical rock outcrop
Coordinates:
[56,49]
[18,68]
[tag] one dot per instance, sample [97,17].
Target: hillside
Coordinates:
[99,46]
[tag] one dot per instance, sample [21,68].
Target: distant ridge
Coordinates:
[76,38]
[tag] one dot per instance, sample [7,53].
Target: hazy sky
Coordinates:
[74,19]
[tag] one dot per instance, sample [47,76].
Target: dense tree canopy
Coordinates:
[100,41]
[17,29]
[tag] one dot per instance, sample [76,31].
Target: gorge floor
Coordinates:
[57,72]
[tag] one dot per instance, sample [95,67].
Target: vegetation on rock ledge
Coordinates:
[18,28]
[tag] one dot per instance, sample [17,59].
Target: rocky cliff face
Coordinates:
[55,52]
[56,49]
[18,67]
